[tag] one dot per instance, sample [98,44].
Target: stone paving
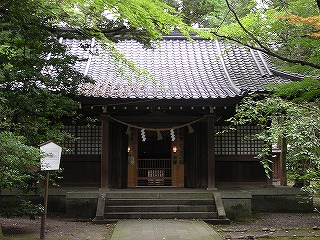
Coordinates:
[146,229]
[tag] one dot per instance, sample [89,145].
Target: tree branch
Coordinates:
[262,47]
[270,52]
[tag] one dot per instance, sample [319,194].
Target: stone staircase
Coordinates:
[116,205]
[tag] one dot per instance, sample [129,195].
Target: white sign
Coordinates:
[52,152]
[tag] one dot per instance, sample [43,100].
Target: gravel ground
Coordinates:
[56,228]
[273,224]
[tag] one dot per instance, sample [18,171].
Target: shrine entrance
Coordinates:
[155,162]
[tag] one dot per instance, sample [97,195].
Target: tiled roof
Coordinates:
[182,69]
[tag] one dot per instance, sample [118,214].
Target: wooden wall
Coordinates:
[239,169]
[85,170]
[118,155]
[80,171]
[229,168]
[195,146]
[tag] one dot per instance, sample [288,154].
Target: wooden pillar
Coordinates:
[105,166]
[211,157]
[283,161]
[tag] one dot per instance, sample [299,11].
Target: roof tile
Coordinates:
[182,70]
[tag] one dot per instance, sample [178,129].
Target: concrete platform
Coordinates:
[145,229]
[238,201]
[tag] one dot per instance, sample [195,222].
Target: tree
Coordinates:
[37,78]
[285,30]
[307,90]
[296,122]
[199,13]
[18,167]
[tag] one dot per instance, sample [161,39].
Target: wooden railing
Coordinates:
[154,172]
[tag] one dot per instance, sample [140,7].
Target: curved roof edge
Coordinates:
[264,58]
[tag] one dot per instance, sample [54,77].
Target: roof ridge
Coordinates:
[263,73]
[225,70]
[278,72]
[93,42]
[176,34]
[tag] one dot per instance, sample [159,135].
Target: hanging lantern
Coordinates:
[174,149]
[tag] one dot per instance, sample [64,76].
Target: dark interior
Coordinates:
[153,148]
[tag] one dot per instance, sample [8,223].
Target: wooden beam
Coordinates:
[211,156]
[159,102]
[105,166]
[158,119]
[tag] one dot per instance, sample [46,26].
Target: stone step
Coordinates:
[160,208]
[133,201]
[155,206]
[161,215]
[159,195]
[160,205]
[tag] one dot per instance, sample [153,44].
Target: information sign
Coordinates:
[51,160]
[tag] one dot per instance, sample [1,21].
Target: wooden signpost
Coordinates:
[50,161]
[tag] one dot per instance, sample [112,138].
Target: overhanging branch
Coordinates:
[262,47]
[270,52]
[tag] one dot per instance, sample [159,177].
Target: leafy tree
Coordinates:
[199,13]
[18,167]
[307,90]
[36,70]
[298,123]
[38,83]
[285,30]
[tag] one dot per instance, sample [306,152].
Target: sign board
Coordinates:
[51,160]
